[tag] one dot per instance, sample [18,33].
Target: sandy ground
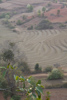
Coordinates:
[57,94]
[62,18]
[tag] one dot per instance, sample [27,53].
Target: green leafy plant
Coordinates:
[24,68]
[8,55]
[48,69]
[37,68]
[19,22]
[32,89]
[16,97]
[29,8]
[55,74]
[44,24]
[48,96]
[58,13]
[33,92]
[65,84]
[39,13]
[43,9]
[30,28]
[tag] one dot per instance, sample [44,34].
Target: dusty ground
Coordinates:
[19,7]
[57,94]
[61,18]
[46,47]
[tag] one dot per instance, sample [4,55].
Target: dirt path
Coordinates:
[44,75]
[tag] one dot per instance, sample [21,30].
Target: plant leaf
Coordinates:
[4,73]
[39,89]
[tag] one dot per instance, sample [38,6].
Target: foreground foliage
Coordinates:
[32,89]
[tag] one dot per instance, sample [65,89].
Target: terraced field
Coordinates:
[46,47]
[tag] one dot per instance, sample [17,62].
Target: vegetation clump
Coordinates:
[37,68]
[32,89]
[30,28]
[39,13]
[55,74]
[5,15]
[43,9]
[48,69]
[62,25]
[19,22]
[29,8]
[8,55]
[65,85]
[16,97]
[44,24]
[24,67]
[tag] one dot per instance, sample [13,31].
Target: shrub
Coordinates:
[5,21]
[19,22]
[57,65]
[62,25]
[16,97]
[5,15]
[43,9]
[44,24]
[29,8]
[3,83]
[52,14]
[6,94]
[49,4]
[39,13]
[65,85]
[2,15]
[30,28]
[24,17]
[37,68]
[24,67]
[66,22]
[10,26]
[48,69]
[55,74]
[8,55]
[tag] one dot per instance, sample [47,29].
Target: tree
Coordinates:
[29,8]
[30,28]
[37,67]
[43,9]
[32,89]
[39,13]
[8,55]
[7,16]
[19,22]
[24,17]
[9,84]
[24,67]
[44,24]
[58,12]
